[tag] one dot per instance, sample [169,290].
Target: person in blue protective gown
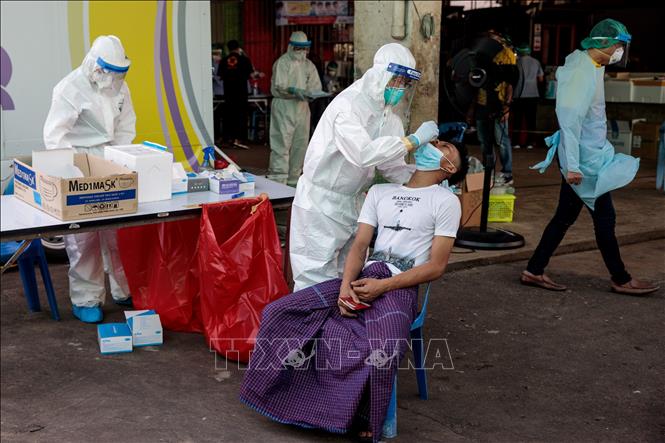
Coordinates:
[588,163]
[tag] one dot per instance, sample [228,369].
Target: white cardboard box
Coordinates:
[233,188]
[153,166]
[648,91]
[619,90]
[620,135]
[114,338]
[146,327]
[105,188]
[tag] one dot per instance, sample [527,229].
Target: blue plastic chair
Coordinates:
[33,255]
[660,160]
[390,423]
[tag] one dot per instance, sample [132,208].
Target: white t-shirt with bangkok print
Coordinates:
[407,219]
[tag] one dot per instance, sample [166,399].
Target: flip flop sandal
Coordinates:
[541,283]
[633,291]
[361,425]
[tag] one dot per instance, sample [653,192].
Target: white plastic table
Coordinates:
[21,221]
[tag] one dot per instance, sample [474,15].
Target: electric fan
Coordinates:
[470,72]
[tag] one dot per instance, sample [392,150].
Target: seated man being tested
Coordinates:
[326,356]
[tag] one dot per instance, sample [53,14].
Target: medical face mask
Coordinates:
[616,56]
[299,55]
[104,81]
[428,158]
[393,95]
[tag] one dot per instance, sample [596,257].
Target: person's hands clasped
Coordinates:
[368,289]
[574,178]
[347,292]
[427,132]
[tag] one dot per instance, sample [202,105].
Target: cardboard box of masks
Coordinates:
[104,189]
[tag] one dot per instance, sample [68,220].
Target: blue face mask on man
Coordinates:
[428,158]
[393,95]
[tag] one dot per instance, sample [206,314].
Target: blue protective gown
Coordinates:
[581,141]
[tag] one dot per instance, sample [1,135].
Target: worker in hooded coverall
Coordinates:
[588,163]
[362,130]
[294,78]
[91,107]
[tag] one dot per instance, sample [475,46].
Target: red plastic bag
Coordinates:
[240,272]
[162,271]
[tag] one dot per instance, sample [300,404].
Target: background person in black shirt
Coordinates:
[234,70]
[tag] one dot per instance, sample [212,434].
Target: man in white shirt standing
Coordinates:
[525,104]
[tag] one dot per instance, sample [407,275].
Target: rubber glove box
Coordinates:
[114,338]
[146,327]
[179,179]
[153,166]
[233,187]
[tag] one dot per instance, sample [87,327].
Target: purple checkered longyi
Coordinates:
[312,367]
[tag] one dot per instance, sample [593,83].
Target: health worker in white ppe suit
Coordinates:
[294,79]
[362,130]
[91,107]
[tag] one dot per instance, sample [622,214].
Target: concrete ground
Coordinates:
[529,365]
[584,365]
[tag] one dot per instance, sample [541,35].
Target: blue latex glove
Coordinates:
[428,158]
[299,93]
[427,132]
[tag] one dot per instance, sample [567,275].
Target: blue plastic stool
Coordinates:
[390,423]
[34,254]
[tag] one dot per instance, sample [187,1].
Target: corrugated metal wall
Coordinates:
[226,20]
[259,26]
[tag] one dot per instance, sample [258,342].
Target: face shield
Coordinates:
[400,90]
[299,50]
[109,78]
[619,57]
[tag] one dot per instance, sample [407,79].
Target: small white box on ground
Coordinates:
[153,166]
[114,338]
[620,135]
[145,327]
[233,187]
